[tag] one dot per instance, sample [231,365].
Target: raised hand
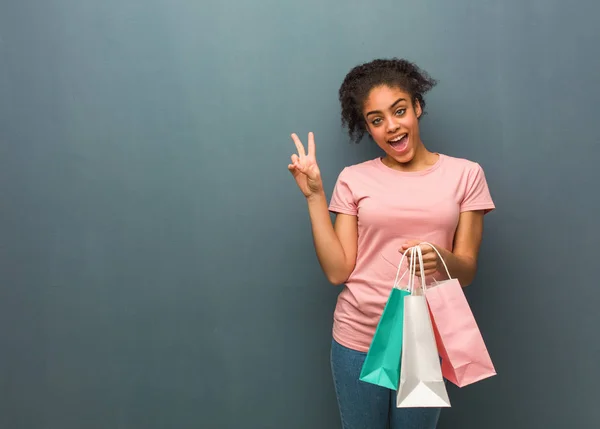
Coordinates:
[304,167]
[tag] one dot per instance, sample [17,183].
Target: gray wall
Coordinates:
[138,286]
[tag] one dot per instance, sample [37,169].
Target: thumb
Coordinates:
[410,243]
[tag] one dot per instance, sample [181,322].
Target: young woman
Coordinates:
[384,206]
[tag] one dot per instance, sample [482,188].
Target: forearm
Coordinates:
[461,267]
[328,246]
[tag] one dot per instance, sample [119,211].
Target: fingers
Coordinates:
[297,163]
[299,146]
[409,244]
[429,261]
[311,145]
[294,170]
[427,266]
[429,258]
[426,250]
[428,269]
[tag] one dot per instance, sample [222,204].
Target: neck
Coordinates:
[422,159]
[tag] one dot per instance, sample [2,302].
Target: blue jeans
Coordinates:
[367,406]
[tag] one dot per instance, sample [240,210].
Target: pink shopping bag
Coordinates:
[465,358]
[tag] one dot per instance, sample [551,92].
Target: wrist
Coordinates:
[316,196]
[446,255]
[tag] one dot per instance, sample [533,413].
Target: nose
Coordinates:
[392,126]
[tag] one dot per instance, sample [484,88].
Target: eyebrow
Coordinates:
[391,107]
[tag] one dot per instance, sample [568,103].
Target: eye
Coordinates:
[376,121]
[400,112]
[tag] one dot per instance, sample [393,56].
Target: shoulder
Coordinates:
[464,170]
[350,185]
[471,185]
[461,164]
[354,181]
[360,170]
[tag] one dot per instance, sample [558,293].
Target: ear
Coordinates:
[418,110]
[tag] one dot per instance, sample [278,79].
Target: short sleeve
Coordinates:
[477,194]
[342,199]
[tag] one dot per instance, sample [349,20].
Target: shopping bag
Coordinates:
[421,381]
[465,358]
[382,364]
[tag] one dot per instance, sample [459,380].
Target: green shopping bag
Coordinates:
[382,364]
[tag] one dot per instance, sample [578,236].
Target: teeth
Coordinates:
[398,138]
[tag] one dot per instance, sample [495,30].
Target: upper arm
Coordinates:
[346,229]
[467,239]
[475,204]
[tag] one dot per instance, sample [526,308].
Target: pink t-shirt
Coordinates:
[392,207]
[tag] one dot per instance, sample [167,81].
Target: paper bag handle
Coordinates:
[440,256]
[409,270]
[398,280]
[412,269]
[419,252]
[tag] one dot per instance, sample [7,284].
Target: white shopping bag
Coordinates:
[421,382]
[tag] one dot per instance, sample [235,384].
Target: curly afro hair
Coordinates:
[361,79]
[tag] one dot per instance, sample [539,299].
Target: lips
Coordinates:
[399,143]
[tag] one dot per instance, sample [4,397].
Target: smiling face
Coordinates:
[392,120]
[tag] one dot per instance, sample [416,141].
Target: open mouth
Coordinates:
[399,143]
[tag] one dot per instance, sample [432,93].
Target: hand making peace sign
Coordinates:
[304,167]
